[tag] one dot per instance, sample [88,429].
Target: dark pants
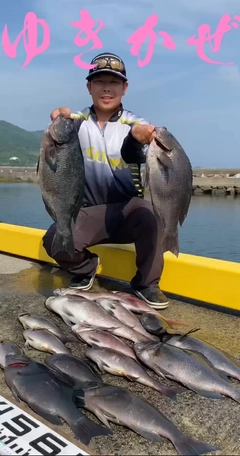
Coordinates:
[121,223]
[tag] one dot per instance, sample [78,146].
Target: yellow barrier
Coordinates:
[199,278]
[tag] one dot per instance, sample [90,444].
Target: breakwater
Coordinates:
[205,180]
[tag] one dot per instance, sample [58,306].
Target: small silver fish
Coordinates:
[117,363]
[44,341]
[103,339]
[34,321]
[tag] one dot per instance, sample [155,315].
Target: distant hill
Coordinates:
[17,142]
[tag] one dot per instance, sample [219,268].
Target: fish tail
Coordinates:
[63,243]
[168,391]
[85,429]
[235,394]
[170,243]
[188,446]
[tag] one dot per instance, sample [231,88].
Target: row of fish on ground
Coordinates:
[64,384]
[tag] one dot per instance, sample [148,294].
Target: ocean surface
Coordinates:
[211,229]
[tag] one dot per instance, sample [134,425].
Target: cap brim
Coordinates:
[103,70]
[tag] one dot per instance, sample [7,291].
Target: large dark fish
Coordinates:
[78,370]
[62,180]
[169,177]
[186,367]
[117,405]
[223,362]
[48,396]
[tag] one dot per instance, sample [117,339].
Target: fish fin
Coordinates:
[208,394]
[51,156]
[159,371]
[148,435]
[188,446]
[85,429]
[225,376]
[67,321]
[28,346]
[165,160]
[164,139]
[54,419]
[171,392]
[37,167]
[78,397]
[61,376]
[191,331]
[15,394]
[184,210]
[90,364]
[63,243]
[170,243]
[103,417]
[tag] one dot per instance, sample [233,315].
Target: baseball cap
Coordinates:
[108,63]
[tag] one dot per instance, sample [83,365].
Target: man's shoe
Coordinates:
[153,296]
[84,283]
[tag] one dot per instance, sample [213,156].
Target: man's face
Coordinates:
[107,91]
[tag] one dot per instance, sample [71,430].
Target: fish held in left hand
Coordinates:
[62,180]
[169,177]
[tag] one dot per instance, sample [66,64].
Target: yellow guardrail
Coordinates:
[203,279]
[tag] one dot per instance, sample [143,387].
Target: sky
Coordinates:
[197,101]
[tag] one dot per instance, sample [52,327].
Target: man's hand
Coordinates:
[64,111]
[143,133]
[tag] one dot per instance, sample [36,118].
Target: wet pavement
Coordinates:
[24,286]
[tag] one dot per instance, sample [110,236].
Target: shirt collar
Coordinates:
[114,117]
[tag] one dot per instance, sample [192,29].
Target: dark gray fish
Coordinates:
[169,177]
[62,180]
[78,370]
[223,362]
[117,363]
[48,396]
[186,367]
[122,407]
[7,347]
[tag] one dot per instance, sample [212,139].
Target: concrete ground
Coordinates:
[25,285]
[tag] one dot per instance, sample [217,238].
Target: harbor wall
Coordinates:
[205,180]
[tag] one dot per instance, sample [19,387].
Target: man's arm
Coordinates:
[133,151]
[135,145]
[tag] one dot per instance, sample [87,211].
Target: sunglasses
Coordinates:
[108,63]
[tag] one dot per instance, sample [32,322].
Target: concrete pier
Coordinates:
[205,181]
[24,286]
